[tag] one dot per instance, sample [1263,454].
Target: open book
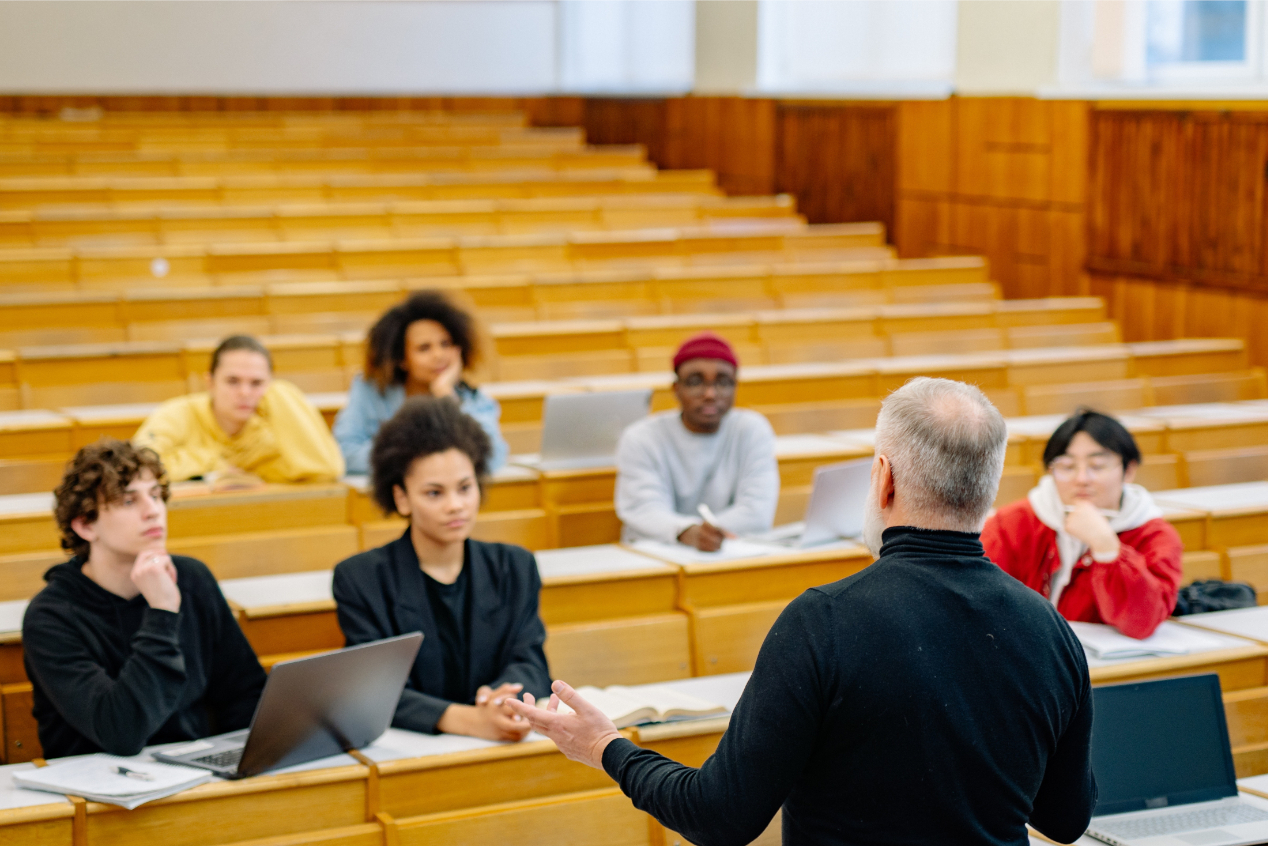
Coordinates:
[628,706]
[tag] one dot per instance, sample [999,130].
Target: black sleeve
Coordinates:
[772,735]
[117,714]
[235,678]
[1068,794]
[527,661]
[416,711]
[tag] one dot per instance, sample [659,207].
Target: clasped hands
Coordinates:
[490,718]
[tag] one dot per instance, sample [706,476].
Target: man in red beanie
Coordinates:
[706,454]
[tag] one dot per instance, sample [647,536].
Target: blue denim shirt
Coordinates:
[367,409]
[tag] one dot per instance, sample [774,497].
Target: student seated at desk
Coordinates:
[417,348]
[669,464]
[476,603]
[127,645]
[246,422]
[1087,538]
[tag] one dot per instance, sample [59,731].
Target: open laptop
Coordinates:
[1165,774]
[835,509]
[581,430]
[311,708]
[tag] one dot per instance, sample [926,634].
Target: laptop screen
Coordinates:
[1160,743]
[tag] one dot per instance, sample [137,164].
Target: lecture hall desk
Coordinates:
[421,789]
[424,789]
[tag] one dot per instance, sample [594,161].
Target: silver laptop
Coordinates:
[1165,774]
[835,509]
[311,708]
[581,430]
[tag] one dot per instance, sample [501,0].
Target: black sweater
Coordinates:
[381,593]
[113,675]
[931,698]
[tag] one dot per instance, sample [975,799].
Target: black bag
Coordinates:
[1214,595]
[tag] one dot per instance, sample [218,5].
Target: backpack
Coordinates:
[1213,595]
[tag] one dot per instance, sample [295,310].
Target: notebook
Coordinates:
[117,781]
[1165,774]
[1103,641]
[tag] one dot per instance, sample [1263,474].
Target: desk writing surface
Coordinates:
[399,744]
[98,414]
[11,616]
[1257,783]
[1251,623]
[793,446]
[602,559]
[1246,496]
[272,591]
[1214,411]
[30,503]
[736,549]
[13,796]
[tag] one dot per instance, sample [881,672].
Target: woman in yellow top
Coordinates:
[246,422]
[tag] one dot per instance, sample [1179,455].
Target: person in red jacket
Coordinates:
[1086,537]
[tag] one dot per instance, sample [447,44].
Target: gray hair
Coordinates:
[946,445]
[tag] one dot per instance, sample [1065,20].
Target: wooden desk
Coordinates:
[1212,425]
[1249,623]
[733,603]
[1241,665]
[1034,433]
[31,817]
[612,616]
[286,613]
[1235,513]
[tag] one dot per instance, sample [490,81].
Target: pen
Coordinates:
[137,774]
[707,515]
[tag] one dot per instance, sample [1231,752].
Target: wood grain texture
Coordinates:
[839,160]
[1179,196]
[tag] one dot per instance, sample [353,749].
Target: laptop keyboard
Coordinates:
[228,759]
[1154,826]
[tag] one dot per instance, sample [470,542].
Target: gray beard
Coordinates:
[874,525]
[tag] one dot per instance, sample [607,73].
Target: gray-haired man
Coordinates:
[929,698]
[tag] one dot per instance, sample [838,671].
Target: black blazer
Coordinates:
[380,593]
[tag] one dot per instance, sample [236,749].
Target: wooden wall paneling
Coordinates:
[733,136]
[627,120]
[1179,195]
[924,143]
[838,160]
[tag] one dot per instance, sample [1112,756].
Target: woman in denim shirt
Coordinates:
[417,348]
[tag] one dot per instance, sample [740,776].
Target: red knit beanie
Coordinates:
[705,345]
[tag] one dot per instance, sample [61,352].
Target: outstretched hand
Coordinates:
[582,736]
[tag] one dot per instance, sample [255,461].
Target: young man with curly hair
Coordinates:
[128,646]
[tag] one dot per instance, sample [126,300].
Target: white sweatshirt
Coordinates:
[664,472]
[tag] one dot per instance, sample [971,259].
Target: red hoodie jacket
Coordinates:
[1134,593]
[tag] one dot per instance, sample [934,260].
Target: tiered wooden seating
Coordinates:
[150,227]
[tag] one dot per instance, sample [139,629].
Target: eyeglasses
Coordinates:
[1068,468]
[696,384]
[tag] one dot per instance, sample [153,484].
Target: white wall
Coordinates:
[626,46]
[886,47]
[272,47]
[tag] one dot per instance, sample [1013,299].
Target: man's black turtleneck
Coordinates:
[930,698]
[113,675]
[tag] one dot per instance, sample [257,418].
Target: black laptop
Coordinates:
[1164,770]
[311,708]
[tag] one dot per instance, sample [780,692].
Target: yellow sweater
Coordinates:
[286,440]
